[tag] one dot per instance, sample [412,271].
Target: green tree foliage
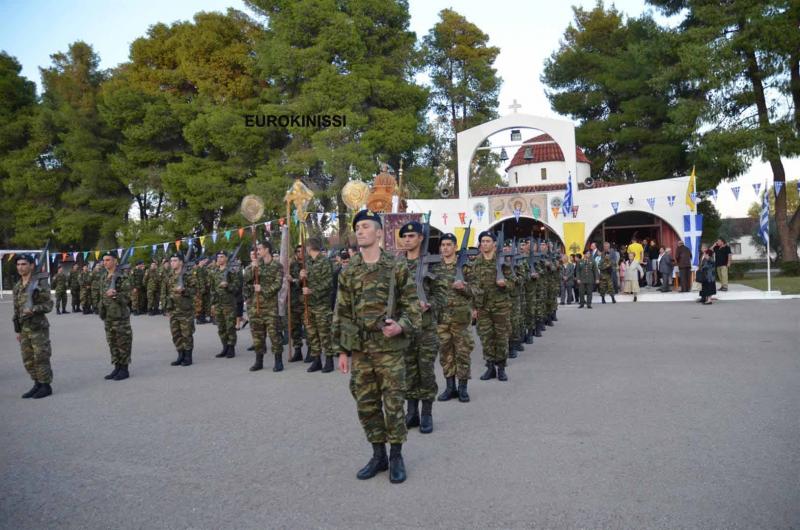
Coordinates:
[754,212]
[712,222]
[465,85]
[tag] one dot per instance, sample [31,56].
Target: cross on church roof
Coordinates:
[514,106]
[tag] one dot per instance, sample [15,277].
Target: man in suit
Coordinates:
[665,267]
[684,258]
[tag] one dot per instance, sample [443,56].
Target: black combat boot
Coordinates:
[554,318]
[251,348]
[58,310]
[528,336]
[224,352]
[231,351]
[309,357]
[512,351]
[179,360]
[113,374]
[278,366]
[537,328]
[450,391]
[32,391]
[259,364]
[43,391]
[549,320]
[316,365]
[412,416]
[426,417]
[298,354]
[397,469]
[603,298]
[123,373]
[501,373]
[490,372]
[328,364]
[64,310]
[379,462]
[187,358]
[463,395]
[613,300]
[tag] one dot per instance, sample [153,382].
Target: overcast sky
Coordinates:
[527,32]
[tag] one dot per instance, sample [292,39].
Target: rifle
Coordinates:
[462,254]
[187,265]
[123,266]
[422,263]
[499,257]
[227,270]
[37,275]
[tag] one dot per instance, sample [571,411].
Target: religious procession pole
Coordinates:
[299,195]
[252,209]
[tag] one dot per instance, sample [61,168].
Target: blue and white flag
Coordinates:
[735,190]
[566,206]
[165,245]
[671,199]
[214,237]
[615,206]
[652,202]
[119,253]
[333,216]
[714,195]
[763,225]
[153,250]
[692,231]
[757,188]
[778,187]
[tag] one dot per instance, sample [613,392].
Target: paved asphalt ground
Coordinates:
[626,416]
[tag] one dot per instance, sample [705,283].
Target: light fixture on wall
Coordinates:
[630,199]
[516,136]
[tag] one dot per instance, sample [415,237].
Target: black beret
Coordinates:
[449,237]
[344,254]
[221,253]
[27,257]
[412,227]
[487,233]
[178,255]
[140,262]
[109,253]
[508,242]
[364,215]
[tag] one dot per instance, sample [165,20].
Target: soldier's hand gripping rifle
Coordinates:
[187,266]
[463,254]
[499,256]
[39,273]
[422,263]
[226,272]
[122,266]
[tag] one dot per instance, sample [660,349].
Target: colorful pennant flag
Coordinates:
[517,213]
[228,235]
[85,255]
[153,250]
[319,217]
[497,215]
[555,211]
[202,241]
[652,202]
[74,256]
[119,253]
[213,237]
[268,226]
[735,190]
[778,187]
[462,216]
[671,200]
[177,244]
[757,187]
[96,254]
[333,216]
[165,246]
[615,206]
[714,194]
[241,233]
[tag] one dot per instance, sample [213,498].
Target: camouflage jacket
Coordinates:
[180,303]
[484,274]
[137,278]
[361,306]
[42,304]
[225,295]
[320,279]
[118,307]
[74,280]
[270,278]
[151,279]
[457,304]
[86,280]
[435,292]
[60,282]
[605,267]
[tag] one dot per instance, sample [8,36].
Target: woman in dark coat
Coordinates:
[708,279]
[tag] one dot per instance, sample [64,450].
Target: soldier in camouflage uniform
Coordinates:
[86,290]
[226,287]
[152,287]
[179,307]
[137,287]
[517,295]
[201,295]
[553,274]
[163,273]
[493,303]
[421,354]
[115,312]
[455,338]
[319,284]
[606,285]
[75,287]
[376,310]
[529,291]
[261,292]
[60,284]
[97,285]
[587,275]
[33,329]
[297,314]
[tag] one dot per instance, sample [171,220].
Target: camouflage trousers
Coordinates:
[420,358]
[516,317]
[455,349]
[182,329]
[86,297]
[61,300]
[530,304]
[318,331]
[263,326]
[226,323]
[35,346]
[96,297]
[541,294]
[606,286]
[551,304]
[201,303]
[297,318]
[494,328]
[152,298]
[120,339]
[377,384]
[75,294]
[136,299]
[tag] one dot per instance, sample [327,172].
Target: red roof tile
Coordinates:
[543,152]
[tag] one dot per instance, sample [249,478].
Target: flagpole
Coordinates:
[769,267]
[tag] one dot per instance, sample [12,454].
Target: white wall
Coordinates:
[531,174]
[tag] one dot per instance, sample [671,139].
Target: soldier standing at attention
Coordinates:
[455,339]
[517,294]
[86,290]
[179,308]
[116,315]
[226,286]
[586,274]
[75,287]
[606,285]
[421,353]
[163,273]
[151,285]
[200,272]
[137,291]
[494,308]
[97,285]
[262,305]
[33,329]
[60,284]
[319,284]
[376,311]
[298,309]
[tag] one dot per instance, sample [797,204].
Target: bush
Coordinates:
[738,269]
[790,268]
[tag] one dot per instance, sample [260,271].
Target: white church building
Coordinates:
[538,174]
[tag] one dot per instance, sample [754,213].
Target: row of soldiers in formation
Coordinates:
[387,324]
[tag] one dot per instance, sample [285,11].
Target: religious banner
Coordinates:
[459,233]
[392,222]
[526,202]
[574,236]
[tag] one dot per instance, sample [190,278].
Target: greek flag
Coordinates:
[566,206]
[763,228]
[692,232]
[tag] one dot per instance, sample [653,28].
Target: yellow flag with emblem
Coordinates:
[690,192]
